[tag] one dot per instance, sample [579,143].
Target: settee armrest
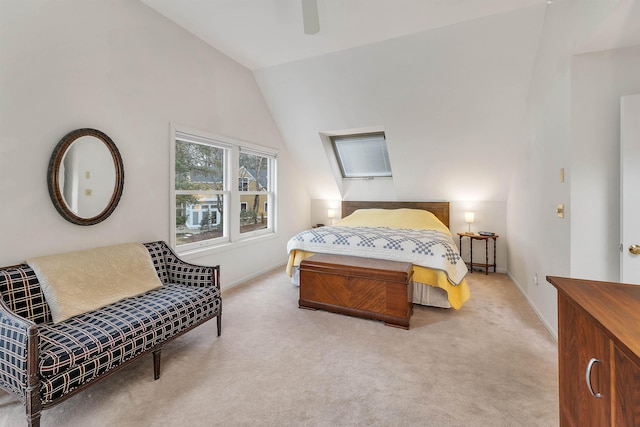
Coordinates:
[186,273]
[17,335]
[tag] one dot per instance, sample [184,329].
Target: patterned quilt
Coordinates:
[426,248]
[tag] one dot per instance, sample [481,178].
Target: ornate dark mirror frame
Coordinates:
[54,184]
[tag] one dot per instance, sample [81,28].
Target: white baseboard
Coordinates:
[498,270]
[244,279]
[546,324]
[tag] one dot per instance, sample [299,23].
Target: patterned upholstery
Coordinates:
[80,349]
[157,251]
[22,293]
[13,355]
[172,269]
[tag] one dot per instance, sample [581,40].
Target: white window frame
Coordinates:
[231,208]
[270,190]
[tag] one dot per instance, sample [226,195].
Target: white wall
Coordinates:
[598,81]
[120,67]
[539,242]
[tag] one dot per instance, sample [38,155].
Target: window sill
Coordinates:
[194,254]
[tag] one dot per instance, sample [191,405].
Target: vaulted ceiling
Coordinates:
[447,80]
[263,33]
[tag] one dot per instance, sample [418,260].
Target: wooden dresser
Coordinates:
[598,353]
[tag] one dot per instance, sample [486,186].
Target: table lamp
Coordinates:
[469,217]
[331,213]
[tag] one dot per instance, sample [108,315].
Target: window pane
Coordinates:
[253,173]
[362,156]
[199,167]
[198,217]
[253,215]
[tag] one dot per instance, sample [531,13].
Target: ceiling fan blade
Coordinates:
[310,18]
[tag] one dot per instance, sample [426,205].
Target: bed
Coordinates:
[416,232]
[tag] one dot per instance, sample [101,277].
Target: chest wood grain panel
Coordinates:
[362,287]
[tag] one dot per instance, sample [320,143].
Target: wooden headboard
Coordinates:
[439,209]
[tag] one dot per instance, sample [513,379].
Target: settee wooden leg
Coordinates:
[33,420]
[33,402]
[219,321]
[33,413]
[33,406]
[156,364]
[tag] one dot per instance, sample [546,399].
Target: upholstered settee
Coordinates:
[44,359]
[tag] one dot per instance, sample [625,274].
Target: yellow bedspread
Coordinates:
[400,218]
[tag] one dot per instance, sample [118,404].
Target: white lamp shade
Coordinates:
[331,213]
[469,217]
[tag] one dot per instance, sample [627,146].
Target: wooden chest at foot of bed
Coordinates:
[362,287]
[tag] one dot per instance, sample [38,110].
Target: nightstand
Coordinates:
[486,264]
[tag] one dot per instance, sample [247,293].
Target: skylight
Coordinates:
[362,155]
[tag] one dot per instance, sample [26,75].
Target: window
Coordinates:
[255,174]
[362,156]
[201,193]
[203,168]
[243,183]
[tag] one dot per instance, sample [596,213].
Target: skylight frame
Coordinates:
[369,160]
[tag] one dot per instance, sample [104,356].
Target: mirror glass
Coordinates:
[85,176]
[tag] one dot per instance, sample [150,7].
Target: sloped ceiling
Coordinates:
[263,33]
[446,80]
[620,29]
[451,102]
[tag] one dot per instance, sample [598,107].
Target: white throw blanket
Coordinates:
[78,282]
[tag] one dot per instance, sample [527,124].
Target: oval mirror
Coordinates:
[85,176]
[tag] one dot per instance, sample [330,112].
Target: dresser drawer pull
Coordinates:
[593,361]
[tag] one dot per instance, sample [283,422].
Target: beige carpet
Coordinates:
[492,363]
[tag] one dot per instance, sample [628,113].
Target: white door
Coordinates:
[630,189]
